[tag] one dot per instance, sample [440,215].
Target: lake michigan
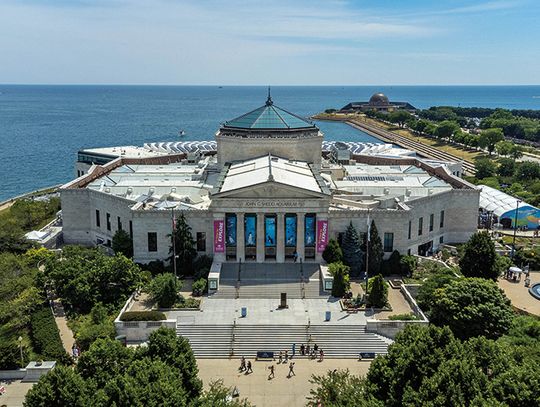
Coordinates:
[43,127]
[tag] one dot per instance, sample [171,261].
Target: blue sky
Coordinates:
[241,42]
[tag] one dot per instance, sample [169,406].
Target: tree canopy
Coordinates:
[341,283]
[352,255]
[376,252]
[489,138]
[184,246]
[479,257]
[472,307]
[332,253]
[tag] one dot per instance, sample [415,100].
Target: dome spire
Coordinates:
[269,100]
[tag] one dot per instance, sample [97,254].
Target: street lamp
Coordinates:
[515,229]
[20,339]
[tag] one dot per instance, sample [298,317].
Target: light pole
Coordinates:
[20,339]
[515,229]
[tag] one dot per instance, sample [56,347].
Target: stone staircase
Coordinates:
[224,341]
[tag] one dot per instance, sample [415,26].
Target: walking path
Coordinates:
[519,294]
[61,322]
[279,391]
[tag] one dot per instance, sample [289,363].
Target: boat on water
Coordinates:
[182,133]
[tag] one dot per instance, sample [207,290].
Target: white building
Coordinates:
[265,192]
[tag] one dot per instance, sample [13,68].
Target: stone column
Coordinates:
[280,238]
[240,238]
[300,234]
[260,237]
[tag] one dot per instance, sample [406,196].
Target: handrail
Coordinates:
[233,338]
[302,282]
[237,294]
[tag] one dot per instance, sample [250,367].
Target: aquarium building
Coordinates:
[267,192]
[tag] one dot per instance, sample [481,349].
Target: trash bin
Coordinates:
[328,315]
[244,312]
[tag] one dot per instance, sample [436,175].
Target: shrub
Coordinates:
[341,283]
[188,303]
[403,317]
[332,253]
[10,354]
[199,286]
[378,292]
[164,289]
[143,316]
[46,337]
[408,265]
[392,265]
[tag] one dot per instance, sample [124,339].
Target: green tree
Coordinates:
[392,265]
[446,129]
[472,307]
[504,147]
[400,117]
[516,152]
[484,168]
[426,293]
[506,168]
[185,246]
[96,325]
[528,170]
[408,264]
[377,292]
[341,283]
[339,388]
[218,396]
[479,257]
[163,290]
[376,252]
[123,243]
[61,387]
[489,138]
[352,255]
[332,253]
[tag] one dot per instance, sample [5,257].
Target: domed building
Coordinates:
[269,129]
[378,101]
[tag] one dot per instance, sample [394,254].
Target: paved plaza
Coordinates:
[279,391]
[15,393]
[519,294]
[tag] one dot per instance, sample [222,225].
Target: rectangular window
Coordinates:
[152,241]
[108,221]
[230,230]
[420,226]
[201,241]
[119,223]
[441,239]
[98,219]
[431,222]
[441,224]
[410,229]
[388,242]
[131,229]
[309,225]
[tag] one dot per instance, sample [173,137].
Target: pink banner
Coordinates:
[322,235]
[219,236]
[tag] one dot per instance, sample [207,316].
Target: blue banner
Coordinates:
[250,230]
[230,230]
[310,231]
[270,231]
[290,230]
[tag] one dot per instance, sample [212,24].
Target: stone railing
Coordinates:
[390,328]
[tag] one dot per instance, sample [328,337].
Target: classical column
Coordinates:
[300,234]
[240,237]
[280,239]
[260,237]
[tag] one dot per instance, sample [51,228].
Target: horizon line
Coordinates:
[264,85]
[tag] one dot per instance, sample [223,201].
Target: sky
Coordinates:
[278,42]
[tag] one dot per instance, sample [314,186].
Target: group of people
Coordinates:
[312,351]
[272,369]
[247,368]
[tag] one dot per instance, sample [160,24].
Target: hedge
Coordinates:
[46,336]
[143,316]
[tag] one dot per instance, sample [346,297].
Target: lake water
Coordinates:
[43,127]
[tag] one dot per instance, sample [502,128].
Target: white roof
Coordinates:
[496,201]
[269,168]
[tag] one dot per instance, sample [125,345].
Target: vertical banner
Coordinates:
[250,231]
[219,236]
[290,230]
[322,235]
[309,240]
[270,231]
[230,230]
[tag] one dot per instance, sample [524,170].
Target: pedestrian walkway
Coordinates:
[519,294]
[66,335]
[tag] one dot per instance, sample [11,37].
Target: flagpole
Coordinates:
[173,241]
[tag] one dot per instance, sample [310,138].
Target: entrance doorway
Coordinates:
[425,249]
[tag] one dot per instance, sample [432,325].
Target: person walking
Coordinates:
[271,375]
[291,370]
[293,350]
[249,369]
[321,355]
[302,350]
[243,364]
[286,356]
[280,357]
[316,348]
